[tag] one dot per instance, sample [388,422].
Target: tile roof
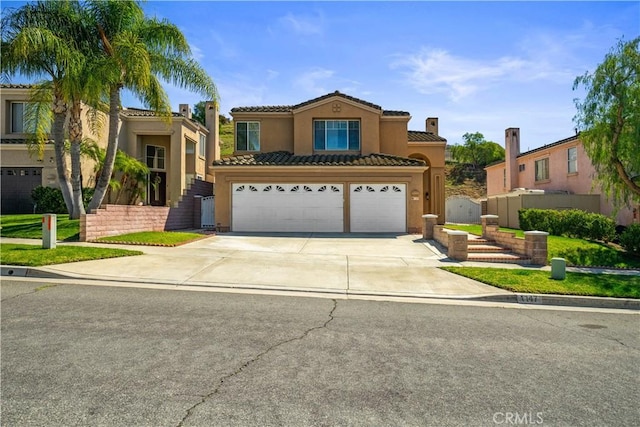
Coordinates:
[285,158]
[553,144]
[15,86]
[139,112]
[20,141]
[422,136]
[290,108]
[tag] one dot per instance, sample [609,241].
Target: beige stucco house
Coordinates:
[176,151]
[558,175]
[331,164]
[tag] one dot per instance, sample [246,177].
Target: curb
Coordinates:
[512,298]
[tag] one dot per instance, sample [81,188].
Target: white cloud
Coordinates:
[303,25]
[197,53]
[437,71]
[312,81]
[272,74]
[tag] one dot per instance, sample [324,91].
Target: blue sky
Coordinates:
[478,66]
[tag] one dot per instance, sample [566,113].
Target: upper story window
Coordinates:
[542,169]
[248,136]
[336,135]
[155,157]
[572,160]
[18,114]
[203,145]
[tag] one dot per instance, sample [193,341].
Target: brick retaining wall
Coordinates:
[112,220]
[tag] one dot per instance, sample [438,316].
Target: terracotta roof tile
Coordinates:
[290,108]
[139,112]
[284,158]
[421,136]
[15,86]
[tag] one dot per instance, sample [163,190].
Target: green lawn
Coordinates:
[30,227]
[227,139]
[540,282]
[155,238]
[575,251]
[35,256]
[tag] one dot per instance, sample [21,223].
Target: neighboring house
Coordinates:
[562,166]
[176,153]
[22,170]
[331,164]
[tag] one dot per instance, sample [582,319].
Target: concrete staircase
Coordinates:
[482,250]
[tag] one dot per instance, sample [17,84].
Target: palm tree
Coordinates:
[38,40]
[138,52]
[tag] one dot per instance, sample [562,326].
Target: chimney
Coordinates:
[432,125]
[512,150]
[212,123]
[185,110]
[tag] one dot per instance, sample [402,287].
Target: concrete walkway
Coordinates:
[351,264]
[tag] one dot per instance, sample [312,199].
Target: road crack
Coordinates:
[245,365]
[38,289]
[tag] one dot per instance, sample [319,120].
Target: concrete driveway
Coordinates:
[365,264]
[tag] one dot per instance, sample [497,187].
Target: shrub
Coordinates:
[50,200]
[572,223]
[630,239]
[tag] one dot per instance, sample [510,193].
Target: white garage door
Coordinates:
[287,207]
[380,208]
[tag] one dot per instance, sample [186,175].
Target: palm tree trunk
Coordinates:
[57,133]
[75,135]
[112,148]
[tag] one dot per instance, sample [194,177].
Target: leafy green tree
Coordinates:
[199,114]
[137,53]
[40,40]
[477,151]
[609,121]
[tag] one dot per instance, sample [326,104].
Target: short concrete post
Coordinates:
[49,231]
[535,246]
[458,245]
[488,220]
[428,222]
[558,268]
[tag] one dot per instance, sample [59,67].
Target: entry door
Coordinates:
[157,190]
[287,207]
[378,208]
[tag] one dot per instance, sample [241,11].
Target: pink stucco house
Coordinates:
[562,166]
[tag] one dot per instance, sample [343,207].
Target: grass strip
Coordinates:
[153,238]
[575,251]
[30,227]
[35,256]
[540,282]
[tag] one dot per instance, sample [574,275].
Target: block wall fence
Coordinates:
[112,220]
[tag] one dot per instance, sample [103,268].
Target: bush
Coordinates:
[50,200]
[572,223]
[630,239]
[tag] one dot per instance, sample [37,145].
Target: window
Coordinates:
[248,136]
[336,135]
[155,157]
[203,145]
[542,169]
[521,168]
[17,117]
[572,160]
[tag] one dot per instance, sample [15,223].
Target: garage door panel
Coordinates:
[287,207]
[378,208]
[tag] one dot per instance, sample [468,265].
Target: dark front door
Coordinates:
[158,188]
[17,184]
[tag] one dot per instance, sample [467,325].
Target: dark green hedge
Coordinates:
[570,223]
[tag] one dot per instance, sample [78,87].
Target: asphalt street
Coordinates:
[106,356]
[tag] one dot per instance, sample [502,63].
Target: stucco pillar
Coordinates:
[429,221]
[491,220]
[458,247]
[535,246]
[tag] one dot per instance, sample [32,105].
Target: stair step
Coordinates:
[480,241]
[487,248]
[509,258]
